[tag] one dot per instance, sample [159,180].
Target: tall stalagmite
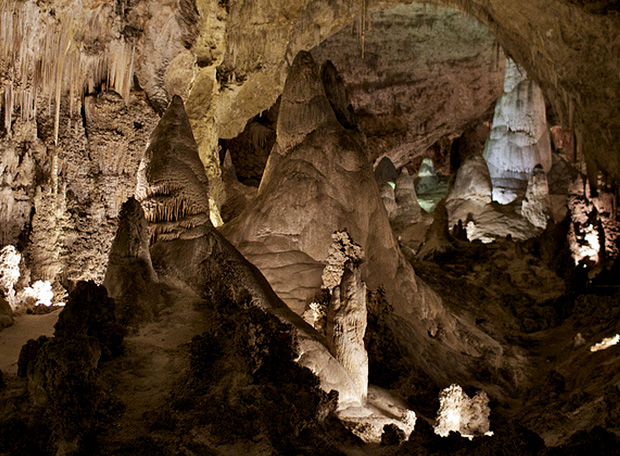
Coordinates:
[173,189]
[319,180]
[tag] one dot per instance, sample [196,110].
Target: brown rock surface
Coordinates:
[426,72]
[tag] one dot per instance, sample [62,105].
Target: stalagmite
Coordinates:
[172,185]
[472,183]
[427,177]
[389,200]
[186,248]
[408,209]
[460,413]
[346,326]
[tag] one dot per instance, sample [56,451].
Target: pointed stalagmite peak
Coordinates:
[172,184]
[304,106]
[337,95]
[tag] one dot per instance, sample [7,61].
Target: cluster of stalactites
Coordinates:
[47,60]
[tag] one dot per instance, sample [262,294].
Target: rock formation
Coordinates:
[346,326]
[342,251]
[10,259]
[460,413]
[6,313]
[172,185]
[388,198]
[318,180]
[408,209]
[519,139]
[346,313]
[472,182]
[409,95]
[427,177]
[536,206]
[130,278]
[172,188]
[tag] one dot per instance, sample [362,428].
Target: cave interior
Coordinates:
[335,227]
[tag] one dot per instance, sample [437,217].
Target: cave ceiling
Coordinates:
[572,50]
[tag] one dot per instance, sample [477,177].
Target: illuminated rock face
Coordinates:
[318,180]
[410,89]
[472,183]
[346,326]
[519,139]
[172,185]
[536,206]
[320,183]
[460,413]
[346,313]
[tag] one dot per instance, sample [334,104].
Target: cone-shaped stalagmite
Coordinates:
[319,180]
[186,247]
[130,276]
[172,184]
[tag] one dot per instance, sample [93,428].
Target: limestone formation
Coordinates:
[342,251]
[313,186]
[337,95]
[6,313]
[408,96]
[346,326]
[408,209]
[130,278]
[472,183]
[322,183]
[388,198]
[187,249]
[536,206]
[437,239]
[460,413]
[9,271]
[427,177]
[519,139]
[172,185]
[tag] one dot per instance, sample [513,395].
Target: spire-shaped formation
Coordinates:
[172,184]
[304,107]
[130,275]
[409,210]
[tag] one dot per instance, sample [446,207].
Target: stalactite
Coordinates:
[8,107]
[46,59]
